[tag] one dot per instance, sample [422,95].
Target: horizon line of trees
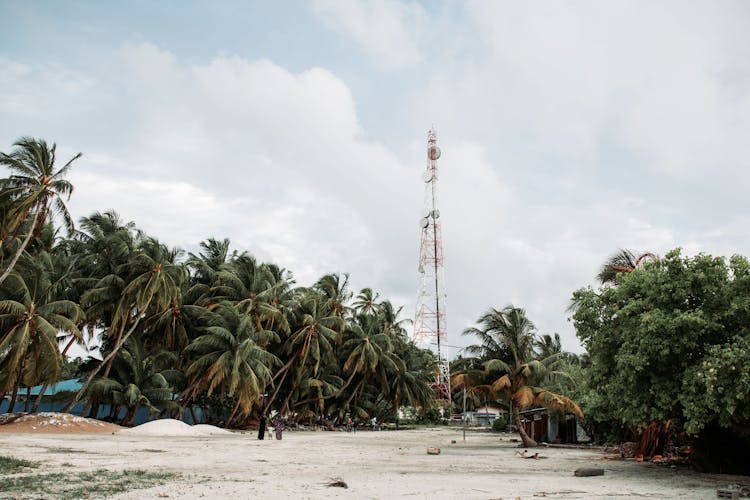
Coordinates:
[219,330]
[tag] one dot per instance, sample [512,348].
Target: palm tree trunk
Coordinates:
[285,407]
[234,412]
[354,393]
[28,399]
[527,441]
[94,412]
[186,395]
[275,392]
[192,413]
[129,419]
[105,360]
[21,249]
[13,400]
[85,407]
[39,398]
[111,361]
[334,395]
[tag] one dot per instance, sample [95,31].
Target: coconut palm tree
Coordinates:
[623,261]
[30,319]
[366,302]
[318,329]
[36,190]
[521,376]
[152,285]
[228,357]
[548,345]
[139,378]
[335,288]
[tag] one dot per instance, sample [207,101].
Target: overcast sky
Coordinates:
[298,130]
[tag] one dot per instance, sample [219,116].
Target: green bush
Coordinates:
[499,425]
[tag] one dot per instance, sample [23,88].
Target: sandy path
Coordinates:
[378,465]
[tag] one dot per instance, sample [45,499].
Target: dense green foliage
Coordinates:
[217,329]
[669,341]
[515,364]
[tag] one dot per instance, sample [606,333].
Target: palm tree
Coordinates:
[335,288]
[623,261]
[228,357]
[319,330]
[139,378]
[30,319]
[547,345]
[522,375]
[153,286]
[35,189]
[366,302]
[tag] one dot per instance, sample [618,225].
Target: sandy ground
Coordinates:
[379,465]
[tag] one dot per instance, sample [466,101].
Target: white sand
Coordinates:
[210,430]
[171,427]
[374,465]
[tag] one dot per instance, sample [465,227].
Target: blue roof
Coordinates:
[62,386]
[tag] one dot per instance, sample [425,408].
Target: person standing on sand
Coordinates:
[262,427]
[278,427]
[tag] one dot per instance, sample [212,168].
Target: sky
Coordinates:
[297,129]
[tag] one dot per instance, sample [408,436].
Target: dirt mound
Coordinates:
[54,423]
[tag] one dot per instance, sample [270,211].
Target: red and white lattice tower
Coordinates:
[430,325]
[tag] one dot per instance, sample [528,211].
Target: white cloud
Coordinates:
[569,130]
[388,30]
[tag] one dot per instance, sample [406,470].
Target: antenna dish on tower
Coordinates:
[433,152]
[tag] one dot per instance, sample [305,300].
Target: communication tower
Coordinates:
[430,325]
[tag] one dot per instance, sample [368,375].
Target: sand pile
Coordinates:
[211,430]
[53,423]
[172,427]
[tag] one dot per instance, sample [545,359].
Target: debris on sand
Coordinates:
[433,451]
[588,471]
[338,483]
[524,454]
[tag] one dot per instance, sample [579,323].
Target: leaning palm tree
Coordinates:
[153,286]
[521,376]
[34,191]
[623,261]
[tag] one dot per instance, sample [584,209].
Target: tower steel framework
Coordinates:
[430,324]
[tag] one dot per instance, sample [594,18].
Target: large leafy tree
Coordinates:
[35,189]
[512,368]
[669,343]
